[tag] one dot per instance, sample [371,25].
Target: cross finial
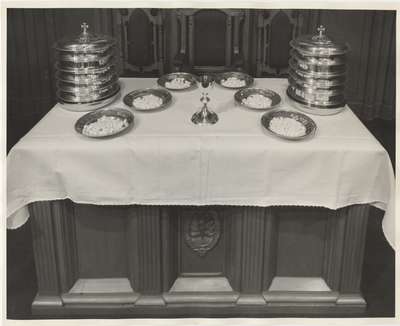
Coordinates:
[321,30]
[84,27]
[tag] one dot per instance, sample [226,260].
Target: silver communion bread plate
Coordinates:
[309,125]
[105,118]
[140,94]
[165,80]
[83,104]
[242,95]
[223,79]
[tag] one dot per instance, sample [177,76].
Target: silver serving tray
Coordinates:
[85,106]
[88,96]
[85,57]
[87,79]
[336,60]
[311,89]
[85,89]
[304,79]
[316,108]
[109,112]
[245,92]
[306,121]
[109,67]
[162,93]
[67,65]
[240,75]
[315,68]
[315,74]
[169,77]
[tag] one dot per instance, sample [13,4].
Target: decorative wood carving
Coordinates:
[142,30]
[273,27]
[249,247]
[190,46]
[202,231]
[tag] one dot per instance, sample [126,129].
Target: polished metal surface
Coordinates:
[317,74]
[88,106]
[86,71]
[319,97]
[246,92]
[337,60]
[322,73]
[306,121]
[169,77]
[312,66]
[315,107]
[99,63]
[236,74]
[86,79]
[205,115]
[77,57]
[165,96]
[107,112]
[310,88]
[109,67]
[83,94]
[306,79]
[85,42]
[319,45]
[86,89]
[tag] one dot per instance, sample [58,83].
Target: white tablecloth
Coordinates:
[167,160]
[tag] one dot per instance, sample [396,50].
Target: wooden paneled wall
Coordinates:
[32,32]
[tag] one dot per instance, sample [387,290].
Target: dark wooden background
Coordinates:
[370,93]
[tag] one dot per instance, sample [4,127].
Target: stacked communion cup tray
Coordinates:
[317,74]
[86,71]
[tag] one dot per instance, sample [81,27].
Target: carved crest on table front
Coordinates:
[202,231]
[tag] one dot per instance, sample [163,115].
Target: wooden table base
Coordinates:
[170,261]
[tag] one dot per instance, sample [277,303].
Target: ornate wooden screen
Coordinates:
[142,40]
[275,29]
[211,39]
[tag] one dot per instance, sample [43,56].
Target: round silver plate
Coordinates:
[246,92]
[88,106]
[306,121]
[169,77]
[108,112]
[219,78]
[312,108]
[161,93]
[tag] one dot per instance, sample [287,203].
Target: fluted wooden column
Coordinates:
[145,254]
[253,229]
[44,249]
[353,256]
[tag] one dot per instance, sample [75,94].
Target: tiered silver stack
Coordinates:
[317,74]
[86,71]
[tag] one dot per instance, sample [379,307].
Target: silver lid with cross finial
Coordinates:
[319,44]
[86,42]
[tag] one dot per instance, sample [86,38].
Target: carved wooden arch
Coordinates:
[234,19]
[157,42]
[265,28]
